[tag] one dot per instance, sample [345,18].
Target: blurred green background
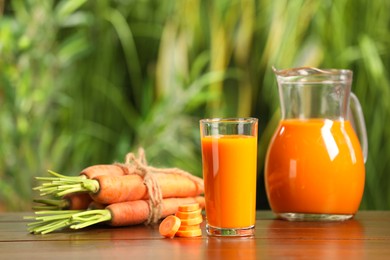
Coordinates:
[84,82]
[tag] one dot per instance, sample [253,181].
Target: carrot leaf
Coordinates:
[49,221]
[60,185]
[91,217]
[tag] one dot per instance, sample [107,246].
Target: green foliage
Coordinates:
[84,82]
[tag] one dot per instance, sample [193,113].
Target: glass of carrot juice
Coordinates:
[229,159]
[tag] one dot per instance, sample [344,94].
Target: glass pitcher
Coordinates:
[314,168]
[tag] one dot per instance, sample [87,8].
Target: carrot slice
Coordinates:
[169,226]
[189,227]
[189,214]
[188,207]
[189,233]
[192,221]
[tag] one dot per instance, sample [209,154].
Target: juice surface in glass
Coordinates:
[229,172]
[315,166]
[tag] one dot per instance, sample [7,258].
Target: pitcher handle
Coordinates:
[360,126]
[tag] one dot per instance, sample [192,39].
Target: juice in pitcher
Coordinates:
[315,166]
[229,159]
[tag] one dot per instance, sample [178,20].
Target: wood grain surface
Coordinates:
[367,236]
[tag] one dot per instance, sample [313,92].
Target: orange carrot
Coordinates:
[114,189]
[77,201]
[103,169]
[108,189]
[60,185]
[96,205]
[137,212]
[169,226]
[73,201]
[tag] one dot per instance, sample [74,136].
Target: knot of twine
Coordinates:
[134,165]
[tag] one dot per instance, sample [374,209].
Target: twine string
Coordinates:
[138,165]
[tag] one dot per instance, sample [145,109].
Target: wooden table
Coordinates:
[365,237]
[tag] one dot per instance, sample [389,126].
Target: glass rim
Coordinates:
[311,75]
[311,71]
[229,120]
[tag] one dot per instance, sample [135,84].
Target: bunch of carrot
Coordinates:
[112,194]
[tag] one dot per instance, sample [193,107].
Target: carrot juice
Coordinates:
[315,166]
[229,172]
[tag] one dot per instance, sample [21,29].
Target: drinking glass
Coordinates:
[229,160]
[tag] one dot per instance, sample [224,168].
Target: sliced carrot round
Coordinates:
[189,227]
[188,207]
[192,221]
[188,214]
[189,233]
[169,226]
